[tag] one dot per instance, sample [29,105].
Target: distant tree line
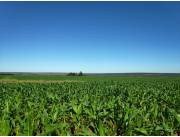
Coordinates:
[75,74]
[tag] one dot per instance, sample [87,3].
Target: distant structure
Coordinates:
[75,74]
[80,73]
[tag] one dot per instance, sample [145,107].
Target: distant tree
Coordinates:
[80,73]
[75,74]
[71,74]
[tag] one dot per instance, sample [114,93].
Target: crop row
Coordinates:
[113,107]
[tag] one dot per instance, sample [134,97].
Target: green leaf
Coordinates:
[142,130]
[4,128]
[178,117]
[158,128]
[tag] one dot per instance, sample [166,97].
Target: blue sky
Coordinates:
[90,36]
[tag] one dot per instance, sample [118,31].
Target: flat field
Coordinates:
[89,105]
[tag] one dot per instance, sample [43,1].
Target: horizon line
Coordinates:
[98,72]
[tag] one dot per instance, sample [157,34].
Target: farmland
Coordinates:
[89,105]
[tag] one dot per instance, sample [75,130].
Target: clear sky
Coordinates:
[90,36]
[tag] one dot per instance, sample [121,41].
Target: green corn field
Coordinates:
[100,106]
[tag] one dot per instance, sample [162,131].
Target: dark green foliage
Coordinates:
[80,73]
[75,74]
[72,74]
[96,106]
